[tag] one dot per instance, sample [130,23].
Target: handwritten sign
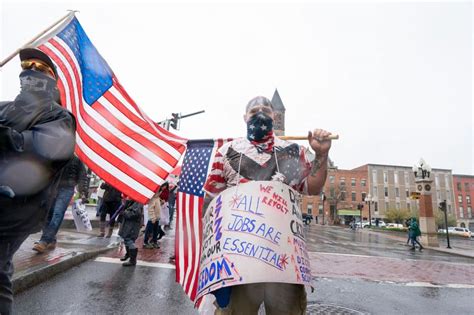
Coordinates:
[253,233]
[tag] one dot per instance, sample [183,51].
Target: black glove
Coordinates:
[10,139]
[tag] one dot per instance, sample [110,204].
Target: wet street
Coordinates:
[355,272]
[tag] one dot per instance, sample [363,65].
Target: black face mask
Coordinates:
[259,126]
[34,81]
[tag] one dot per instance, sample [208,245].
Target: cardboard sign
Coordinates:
[253,233]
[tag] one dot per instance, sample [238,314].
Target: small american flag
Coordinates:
[194,172]
[114,137]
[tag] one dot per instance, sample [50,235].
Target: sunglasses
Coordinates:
[35,64]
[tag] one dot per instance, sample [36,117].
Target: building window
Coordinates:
[386,206]
[398,206]
[310,209]
[466,186]
[363,182]
[396,178]
[331,179]
[342,182]
[397,192]
[343,195]
[376,207]
[469,212]
[353,196]
[407,179]
[468,199]
[332,192]
[374,177]
[353,182]
[376,192]
[458,185]
[363,196]
[460,199]
[408,206]
[385,189]
[461,212]
[385,177]
[407,193]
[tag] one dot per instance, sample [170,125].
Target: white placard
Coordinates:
[253,233]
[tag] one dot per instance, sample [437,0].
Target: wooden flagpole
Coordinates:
[330,137]
[36,37]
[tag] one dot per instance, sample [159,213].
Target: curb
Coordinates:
[29,279]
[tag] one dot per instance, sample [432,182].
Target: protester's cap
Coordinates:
[33,53]
[257,101]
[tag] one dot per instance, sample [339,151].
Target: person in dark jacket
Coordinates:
[130,229]
[414,232]
[74,173]
[37,138]
[110,203]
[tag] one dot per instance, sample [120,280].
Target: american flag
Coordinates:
[114,138]
[194,172]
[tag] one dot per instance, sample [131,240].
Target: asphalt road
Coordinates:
[108,288]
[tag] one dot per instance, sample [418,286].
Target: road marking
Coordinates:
[139,263]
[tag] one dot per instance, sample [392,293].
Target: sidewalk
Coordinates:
[72,249]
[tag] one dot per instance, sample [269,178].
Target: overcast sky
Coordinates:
[394,80]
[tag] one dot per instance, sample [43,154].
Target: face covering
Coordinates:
[260,131]
[34,81]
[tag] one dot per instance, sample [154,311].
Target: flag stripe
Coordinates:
[87,134]
[115,138]
[189,209]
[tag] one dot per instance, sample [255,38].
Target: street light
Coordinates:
[370,200]
[323,197]
[360,206]
[422,170]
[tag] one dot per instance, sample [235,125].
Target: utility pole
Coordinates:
[443,207]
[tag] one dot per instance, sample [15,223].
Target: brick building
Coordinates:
[464,191]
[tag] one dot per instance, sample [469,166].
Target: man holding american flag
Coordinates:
[259,156]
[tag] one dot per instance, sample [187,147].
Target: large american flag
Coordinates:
[119,142]
[194,172]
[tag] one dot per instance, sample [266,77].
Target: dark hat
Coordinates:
[33,53]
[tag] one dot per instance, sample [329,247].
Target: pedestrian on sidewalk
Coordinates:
[130,229]
[414,231]
[153,224]
[110,203]
[100,196]
[37,138]
[172,202]
[73,174]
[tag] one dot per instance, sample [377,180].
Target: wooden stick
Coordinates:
[330,137]
[12,55]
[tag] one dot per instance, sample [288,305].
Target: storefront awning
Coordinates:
[355,213]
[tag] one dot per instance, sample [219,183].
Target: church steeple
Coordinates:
[279,110]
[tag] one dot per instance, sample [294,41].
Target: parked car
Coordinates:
[465,232]
[382,224]
[307,218]
[394,226]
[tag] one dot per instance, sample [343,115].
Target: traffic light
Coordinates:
[442,205]
[174,120]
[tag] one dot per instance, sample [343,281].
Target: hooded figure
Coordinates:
[37,138]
